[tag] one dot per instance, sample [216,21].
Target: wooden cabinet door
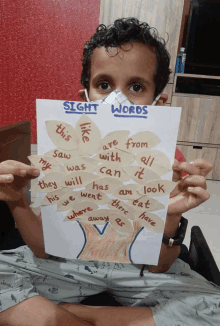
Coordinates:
[208,153]
[200,119]
[164,15]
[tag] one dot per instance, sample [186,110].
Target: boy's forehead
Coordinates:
[136,55]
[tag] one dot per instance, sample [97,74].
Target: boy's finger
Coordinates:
[186,167]
[202,194]
[20,171]
[193,180]
[204,165]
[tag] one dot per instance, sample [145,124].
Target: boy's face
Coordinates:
[131,71]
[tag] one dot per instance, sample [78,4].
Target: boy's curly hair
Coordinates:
[127,30]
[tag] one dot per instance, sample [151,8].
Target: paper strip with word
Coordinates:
[89,134]
[121,224]
[79,210]
[122,208]
[145,203]
[68,200]
[140,174]
[151,222]
[62,134]
[112,139]
[139,142]
[155,160]
[48,183]
[52,198]
[106,184]
[77,179]
[128,191]
[63,156]
[157,188]
[81,164]
[115,156]
[111,170]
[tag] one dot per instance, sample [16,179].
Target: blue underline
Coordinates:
[130,116]
[81,112]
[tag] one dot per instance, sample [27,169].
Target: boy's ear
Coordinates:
[82,94]
[162,100]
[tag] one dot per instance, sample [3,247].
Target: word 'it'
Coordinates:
[61,131]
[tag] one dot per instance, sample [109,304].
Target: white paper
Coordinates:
[70,239]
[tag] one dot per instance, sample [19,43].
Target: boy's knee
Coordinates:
[30,312]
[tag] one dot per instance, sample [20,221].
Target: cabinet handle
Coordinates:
[197,147]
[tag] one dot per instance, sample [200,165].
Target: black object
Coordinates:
[202,48]
[197,85]
[177,240]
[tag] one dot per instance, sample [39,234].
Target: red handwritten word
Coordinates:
[135,144]
[52,199]
[119,222]
[61,155]
[73,182]
[85,130]
[147,219]
[65,203]
[110,145]
[116,203]
[76,167]
[61,132]
[99,187]
[141,204]
[76,214]
[146,161]
[46,165]
[114,173]
[150,189]
[110,157]
[44,185]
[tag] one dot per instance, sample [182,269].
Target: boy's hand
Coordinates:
[190,191]
[14,176]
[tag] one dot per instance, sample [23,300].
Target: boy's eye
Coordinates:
[104,86]
[136,87]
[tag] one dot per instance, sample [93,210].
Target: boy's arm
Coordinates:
[189,192]
[29,226]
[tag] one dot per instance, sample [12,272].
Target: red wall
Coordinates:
[41,48]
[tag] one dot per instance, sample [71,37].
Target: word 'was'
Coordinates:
[61,132]
[76,167]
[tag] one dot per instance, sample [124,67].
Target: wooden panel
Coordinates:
[210,154]
[200,119]
[168,91]
[164,15]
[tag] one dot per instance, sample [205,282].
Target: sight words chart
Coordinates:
[106,176]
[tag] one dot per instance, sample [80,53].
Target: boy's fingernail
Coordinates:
[22,173]
[36,172]
[175,165]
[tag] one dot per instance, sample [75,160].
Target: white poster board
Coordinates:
[105,179]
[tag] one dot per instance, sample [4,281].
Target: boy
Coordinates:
[126,57]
